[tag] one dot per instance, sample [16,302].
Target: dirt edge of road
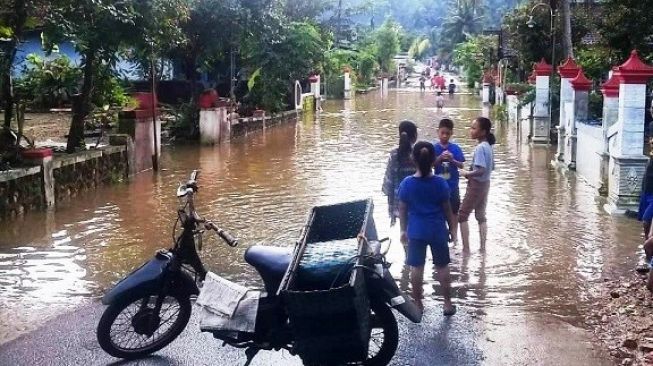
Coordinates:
[622,319]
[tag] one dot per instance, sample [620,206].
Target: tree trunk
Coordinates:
[20,14]
[82,104]
[567,46]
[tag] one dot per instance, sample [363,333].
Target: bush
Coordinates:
[47,84]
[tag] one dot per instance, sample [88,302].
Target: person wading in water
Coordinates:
[400,165]
[426,221]
[478,181]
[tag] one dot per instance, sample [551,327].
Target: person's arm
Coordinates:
[479,165]
[388,187]
[458,159]
[446,206]
[403,221]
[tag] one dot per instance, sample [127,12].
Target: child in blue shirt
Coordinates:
[449,158]
[424,212]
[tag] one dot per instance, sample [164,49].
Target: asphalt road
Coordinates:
[471,337]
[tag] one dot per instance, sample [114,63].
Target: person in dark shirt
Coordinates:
[452,88]
[400,165]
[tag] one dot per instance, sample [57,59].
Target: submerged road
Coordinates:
[521,303]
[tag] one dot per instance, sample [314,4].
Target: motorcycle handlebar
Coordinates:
[228,238]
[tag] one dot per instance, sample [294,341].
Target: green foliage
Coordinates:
[386,44]
[474,55]
[366,68]
[463,21]
[47,84]
[297,51]
[420,48]
[595,106]
[628,26]
[595,60]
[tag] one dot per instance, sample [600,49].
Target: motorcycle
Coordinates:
[150,307]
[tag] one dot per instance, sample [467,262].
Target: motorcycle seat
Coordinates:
[271,263]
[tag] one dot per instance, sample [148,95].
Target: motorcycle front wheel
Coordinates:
[384,337]
[131,328]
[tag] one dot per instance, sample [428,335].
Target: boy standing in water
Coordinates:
[449,159]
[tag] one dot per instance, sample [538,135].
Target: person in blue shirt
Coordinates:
[449,158]
[426,220]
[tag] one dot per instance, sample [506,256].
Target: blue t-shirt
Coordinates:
[424,198]
[457,153]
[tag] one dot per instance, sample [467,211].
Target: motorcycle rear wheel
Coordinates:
[384,338]
[134,316]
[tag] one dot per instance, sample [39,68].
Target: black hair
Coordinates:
[424,157]
[439,93]
[446,123]
[407,134]
[486,125]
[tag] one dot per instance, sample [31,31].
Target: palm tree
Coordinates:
[464,19]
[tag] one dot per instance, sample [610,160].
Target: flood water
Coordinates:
[549,242]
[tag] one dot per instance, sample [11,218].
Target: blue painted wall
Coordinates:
[32,44]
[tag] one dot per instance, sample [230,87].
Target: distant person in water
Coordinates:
[400,165]
[426,221]
[422,83]
[478,180]
[452,88]
[439,100]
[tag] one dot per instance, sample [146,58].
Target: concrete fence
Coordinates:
[58,178]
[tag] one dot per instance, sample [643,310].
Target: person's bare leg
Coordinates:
[417,283]
[444,277]
[454,229]
[482,228]
[464,232]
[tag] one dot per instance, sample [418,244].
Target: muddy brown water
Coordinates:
[550,242]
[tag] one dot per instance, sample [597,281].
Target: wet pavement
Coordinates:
[522,302]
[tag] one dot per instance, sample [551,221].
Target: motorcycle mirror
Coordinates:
[181,191]
[194,174]
[384,252]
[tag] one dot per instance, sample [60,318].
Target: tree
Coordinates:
[387,44]
[629,26]
[420,47]
[16,16]
[475,55]
[464,20]
[280,59]
[99,29]
[567,45]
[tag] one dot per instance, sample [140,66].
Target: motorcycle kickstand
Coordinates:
[250,353]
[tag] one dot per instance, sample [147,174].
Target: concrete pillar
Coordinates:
[485,94]
[43,157]
[627,162]
[610,90]
[298,95]
[315,90]
[580,86]
[384,85]
[541,117]
[348,84]
[126,141]
[139,125]
[212,121]
[567,71]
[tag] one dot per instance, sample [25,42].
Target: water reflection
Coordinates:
[549,240]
